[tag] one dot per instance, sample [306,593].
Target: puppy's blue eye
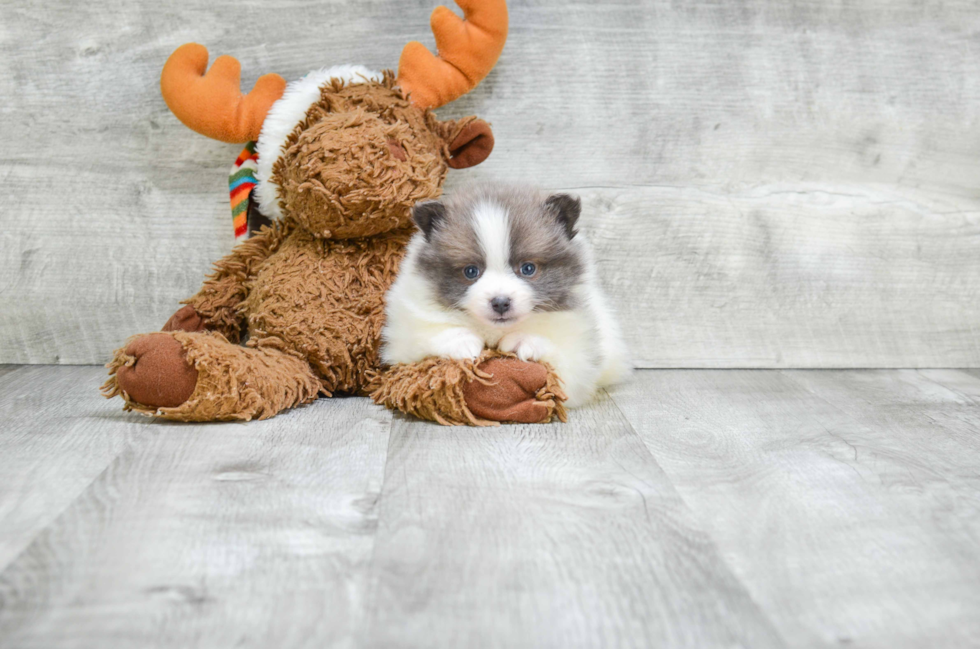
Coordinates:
[471,272]
[528,269]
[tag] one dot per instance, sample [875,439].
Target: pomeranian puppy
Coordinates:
[504,267]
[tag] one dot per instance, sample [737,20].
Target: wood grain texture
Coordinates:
[782,183]
[695,508]
[56,437]
[962,382]
[846,502]
[214,535]
[545,536]
[787,276]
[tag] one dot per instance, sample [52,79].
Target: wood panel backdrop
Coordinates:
[768,183]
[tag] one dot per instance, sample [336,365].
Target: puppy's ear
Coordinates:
[566,209]
[427,216]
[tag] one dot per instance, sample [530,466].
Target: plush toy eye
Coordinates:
[471,272]
[528,269]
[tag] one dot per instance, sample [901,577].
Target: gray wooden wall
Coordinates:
[769,183]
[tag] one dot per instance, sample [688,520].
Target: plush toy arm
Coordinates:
[216,305]
[494,388]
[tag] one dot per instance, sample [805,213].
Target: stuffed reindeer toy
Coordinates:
[340,157]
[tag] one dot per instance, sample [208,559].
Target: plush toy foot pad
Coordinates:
[512,395]
[156,372]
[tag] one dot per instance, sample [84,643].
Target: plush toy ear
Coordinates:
[566,209]
[471,146]
[427,216]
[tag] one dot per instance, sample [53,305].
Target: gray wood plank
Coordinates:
[56,436]
[783,184]
[215,535]
[785,276]
[545,536]
[846,502]
[964,382]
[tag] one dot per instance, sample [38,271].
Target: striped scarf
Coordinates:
[240,184]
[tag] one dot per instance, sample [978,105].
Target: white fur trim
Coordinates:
[283,117]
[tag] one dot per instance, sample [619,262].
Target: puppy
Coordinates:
[505,267]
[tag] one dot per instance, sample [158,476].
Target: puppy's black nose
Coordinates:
[500,304]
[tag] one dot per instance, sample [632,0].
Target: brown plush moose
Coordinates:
[343,155]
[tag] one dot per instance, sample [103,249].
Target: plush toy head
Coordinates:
[362,156]
[345,151]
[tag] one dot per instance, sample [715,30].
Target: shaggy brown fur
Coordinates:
[324,299]
[438,389]
[338,176]
[310,289]
[233,382]
[219,301]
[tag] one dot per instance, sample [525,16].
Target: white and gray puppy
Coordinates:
[505,267]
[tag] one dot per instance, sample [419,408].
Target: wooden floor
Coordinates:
[690,508]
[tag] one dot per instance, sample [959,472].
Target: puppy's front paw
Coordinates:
[458,343]
[528,347]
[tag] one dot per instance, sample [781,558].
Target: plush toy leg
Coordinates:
[483,392]
[202,377]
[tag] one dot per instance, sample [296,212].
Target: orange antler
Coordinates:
[468,50]
[213,104]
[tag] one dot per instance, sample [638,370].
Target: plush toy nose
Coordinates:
[500,304]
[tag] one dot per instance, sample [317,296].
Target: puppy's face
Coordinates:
[501,253]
